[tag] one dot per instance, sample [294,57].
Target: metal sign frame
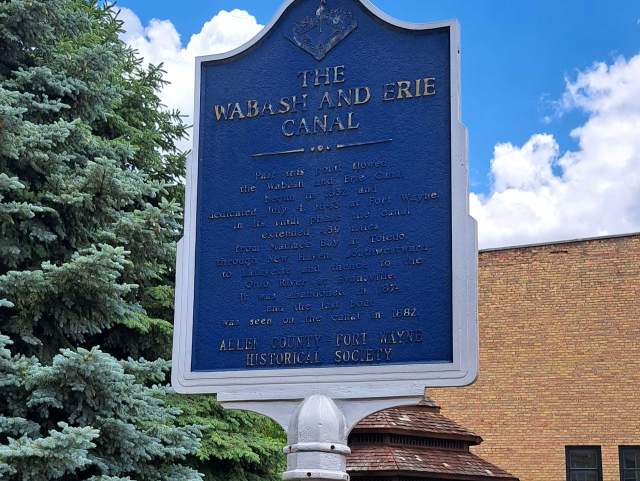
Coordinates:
[341,382]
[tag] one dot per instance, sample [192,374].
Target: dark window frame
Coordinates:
[621,450]
[597,450]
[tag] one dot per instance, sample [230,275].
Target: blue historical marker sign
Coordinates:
[328,245]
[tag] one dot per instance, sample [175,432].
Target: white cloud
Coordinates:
[160,42]
[537,194]
[595,190]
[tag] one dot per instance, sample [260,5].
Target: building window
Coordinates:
[584,463]
[630,463]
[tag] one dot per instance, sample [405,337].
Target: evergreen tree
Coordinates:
[88,417]
[236,445]
[90,189]
[89,216]
[88,177]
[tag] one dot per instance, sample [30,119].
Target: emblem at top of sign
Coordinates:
[318,34]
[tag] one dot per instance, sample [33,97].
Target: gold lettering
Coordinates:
[351,125]
[285,128]
[337,125]
[289,358]
[267,109]
[304,76]
[252,109]
[299,102]
[221,112]
[389,92]
[344,98]
[360,98]
[404,90]
[285,106]
[237,111]
[324,74]
[320,124]
[303,129]
[326,99]
[430,86]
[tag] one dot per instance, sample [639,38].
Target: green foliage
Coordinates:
[89,217]
[236,445]
[59,454]
[90,196]
[88,416]
[89,184]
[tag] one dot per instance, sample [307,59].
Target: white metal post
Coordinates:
[317,431]
[317,442]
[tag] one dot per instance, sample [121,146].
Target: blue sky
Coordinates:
[533,72]
[516,55]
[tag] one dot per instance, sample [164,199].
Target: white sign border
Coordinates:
[340,382]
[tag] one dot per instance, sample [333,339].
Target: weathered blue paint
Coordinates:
[413,158]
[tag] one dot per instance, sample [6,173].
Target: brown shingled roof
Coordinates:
[422,420]
[417,442]
[411,461]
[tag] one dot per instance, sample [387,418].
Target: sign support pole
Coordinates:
[317,431]
[317,442]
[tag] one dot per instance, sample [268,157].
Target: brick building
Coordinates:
[558,395]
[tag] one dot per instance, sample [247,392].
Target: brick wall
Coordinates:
[559,356]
